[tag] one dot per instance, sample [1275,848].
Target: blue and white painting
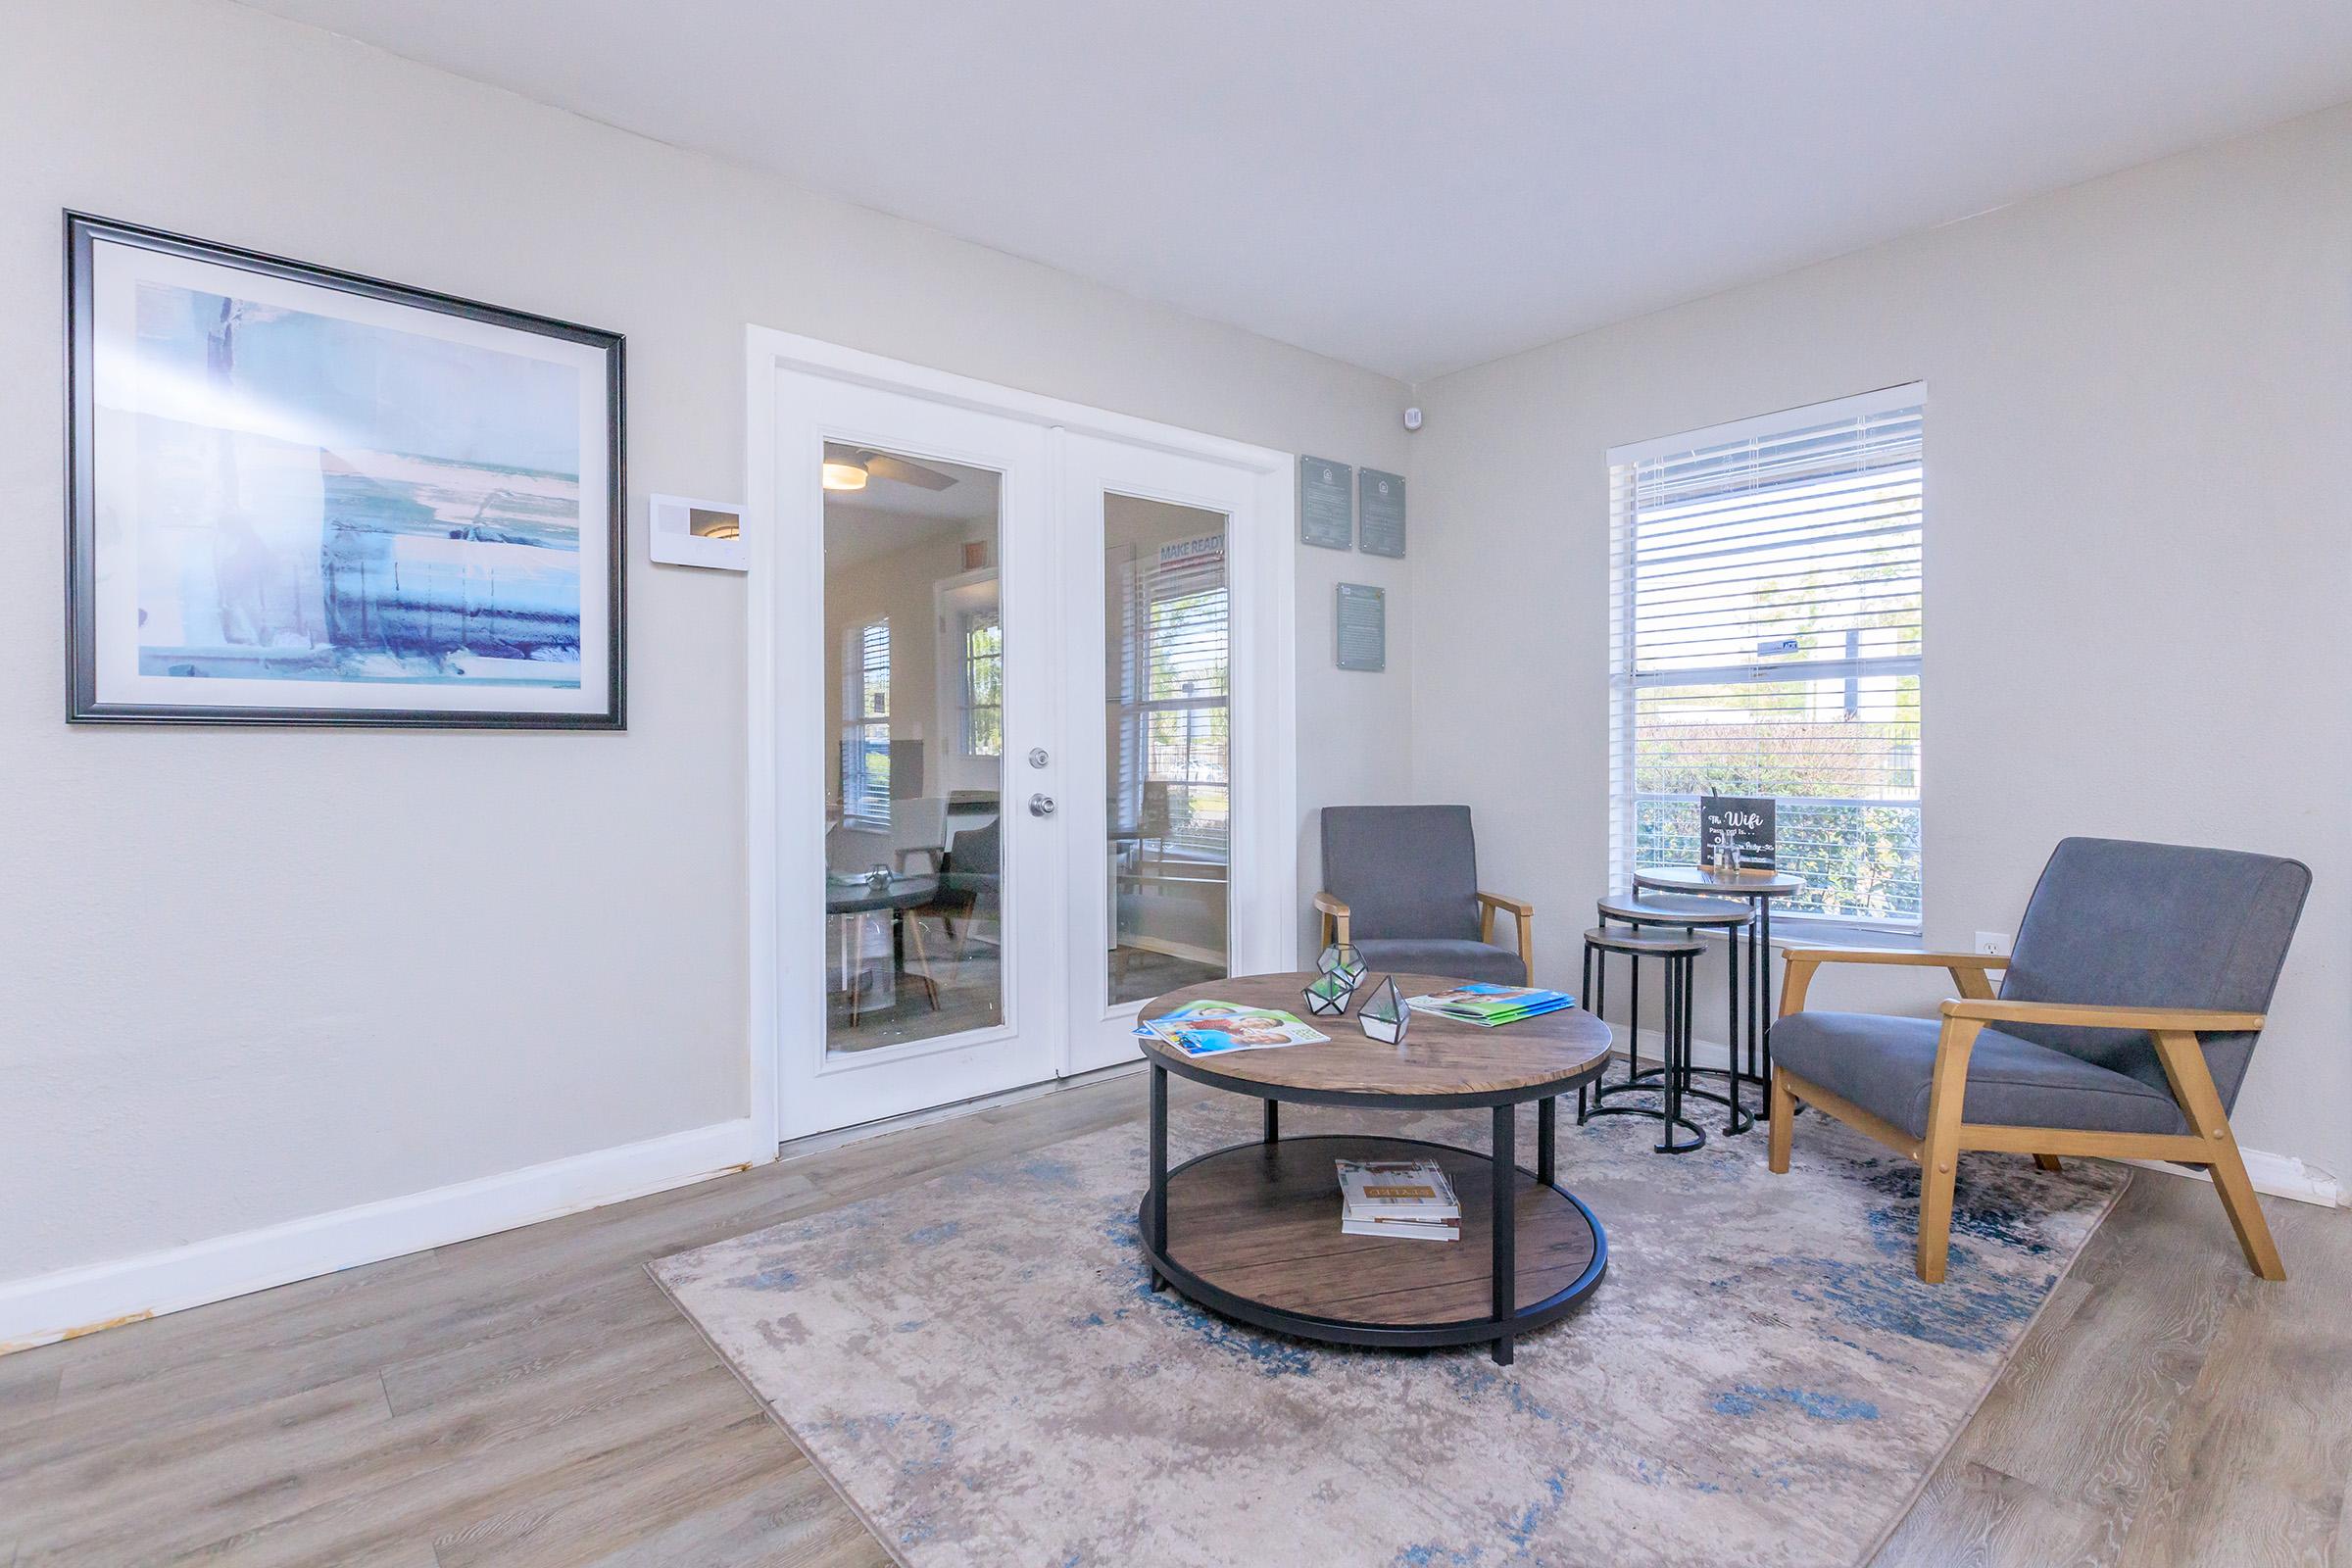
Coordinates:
[309,497]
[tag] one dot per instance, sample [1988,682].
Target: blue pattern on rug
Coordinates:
[981,1363]
[1748,1400]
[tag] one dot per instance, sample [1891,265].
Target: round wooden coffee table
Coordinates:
[1252,1231]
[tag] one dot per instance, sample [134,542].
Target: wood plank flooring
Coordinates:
[531,1399]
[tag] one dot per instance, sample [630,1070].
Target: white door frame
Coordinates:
[788,850]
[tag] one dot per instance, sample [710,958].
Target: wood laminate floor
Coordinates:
[531,1399]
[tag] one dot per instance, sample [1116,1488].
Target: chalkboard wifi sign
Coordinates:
[1737,832]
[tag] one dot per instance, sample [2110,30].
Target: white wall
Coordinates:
[2139,487]
[254,975]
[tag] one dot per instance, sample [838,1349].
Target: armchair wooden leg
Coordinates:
[1939,1172]
[2048,1162]
[1939,1149]
[2230,1179]
[2193,1086]
[1783,1125]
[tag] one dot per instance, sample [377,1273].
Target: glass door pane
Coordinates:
[914,706]
[1168,802]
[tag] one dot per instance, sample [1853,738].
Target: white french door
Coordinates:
[1026,669]
[1175,669]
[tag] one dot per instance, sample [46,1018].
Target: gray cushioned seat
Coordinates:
[1883,1064]
[1409,876]
[2114,922]
[1451,958]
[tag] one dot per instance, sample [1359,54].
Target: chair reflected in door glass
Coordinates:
[914,695]
[1167,761]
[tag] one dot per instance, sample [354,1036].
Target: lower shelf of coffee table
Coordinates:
[1255,1233]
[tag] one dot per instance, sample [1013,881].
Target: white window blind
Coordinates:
[865,728]
[1767,640]
[1171,677]
[983,683]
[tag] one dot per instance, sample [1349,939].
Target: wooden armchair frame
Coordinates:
[2208,1144]
[1336,917]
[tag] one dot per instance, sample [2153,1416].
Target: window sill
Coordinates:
[1789,932]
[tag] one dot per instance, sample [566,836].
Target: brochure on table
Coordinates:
[1490,1005]
[1211,1028]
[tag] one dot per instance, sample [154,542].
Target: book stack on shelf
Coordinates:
[1412,1199]
[1490,1005]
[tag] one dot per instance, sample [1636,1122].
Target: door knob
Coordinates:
[1041,805]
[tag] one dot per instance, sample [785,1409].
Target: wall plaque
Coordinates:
[1326,503]
[1362,619]
[1382,503]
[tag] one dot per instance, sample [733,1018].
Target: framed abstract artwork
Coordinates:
[297,496]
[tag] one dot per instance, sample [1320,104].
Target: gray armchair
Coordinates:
[969,883]
[2125,1022]
[1401,883]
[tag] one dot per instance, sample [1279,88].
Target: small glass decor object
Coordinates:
[1384,1017]
[878,877]
[1341,958]
[1328,996]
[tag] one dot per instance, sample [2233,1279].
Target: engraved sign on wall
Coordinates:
[1382,503]
[1362,622]
[1326,503]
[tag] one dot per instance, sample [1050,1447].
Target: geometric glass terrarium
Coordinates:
[1384,1017]
[1341,958]
[1329,993]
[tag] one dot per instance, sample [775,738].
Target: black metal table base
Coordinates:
[1751,1048]
[1507,1320]
[1741,1119]
[1669,1120]
[1671,1079]
[1749,1003]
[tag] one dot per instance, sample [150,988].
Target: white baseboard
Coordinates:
[842,1137]
[79,1300]
[2278,1175]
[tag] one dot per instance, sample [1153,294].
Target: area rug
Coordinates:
[978,1364]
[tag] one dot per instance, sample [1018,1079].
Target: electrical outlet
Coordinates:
[1993,944]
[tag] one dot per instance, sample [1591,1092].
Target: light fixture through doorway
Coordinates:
[843,476]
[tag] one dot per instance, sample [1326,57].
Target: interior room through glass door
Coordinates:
[1168,849]
[1174,666]
[915,728]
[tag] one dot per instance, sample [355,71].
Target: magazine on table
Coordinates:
[1144,1027]
[1489,1005]
[1219,1028]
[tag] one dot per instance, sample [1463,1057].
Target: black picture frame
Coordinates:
[83,231]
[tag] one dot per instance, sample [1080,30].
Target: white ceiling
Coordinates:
[1406,184]
[887,516]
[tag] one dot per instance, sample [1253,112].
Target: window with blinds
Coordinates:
[865,728]
[983,683]
[1174,783]
[1766,629]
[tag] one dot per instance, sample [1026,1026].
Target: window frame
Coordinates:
[856,779]
[968,624]
[1626,682]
